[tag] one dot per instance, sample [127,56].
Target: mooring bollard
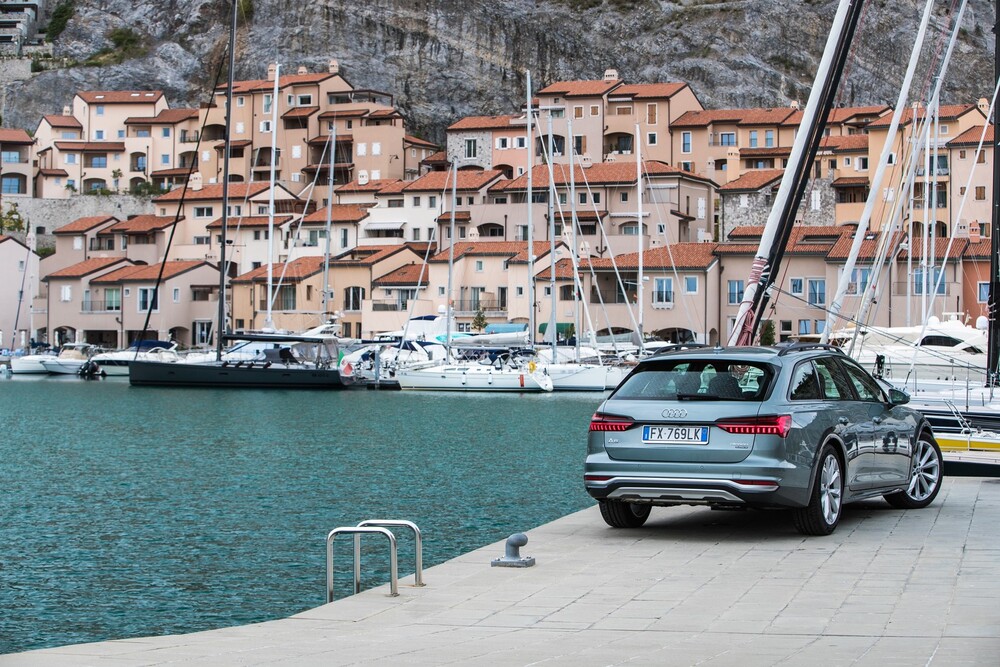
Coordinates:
[512,556]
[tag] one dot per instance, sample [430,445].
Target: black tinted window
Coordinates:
[805,384]
[864,385]
[687,379]
[832,382]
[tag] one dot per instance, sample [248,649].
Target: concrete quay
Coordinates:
[693,587]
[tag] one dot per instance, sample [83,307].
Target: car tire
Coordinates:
[826,502]
[925,476]
[618,514]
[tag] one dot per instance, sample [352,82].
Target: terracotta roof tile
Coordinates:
[436,158]
[642,91]
[250,222]
[404,276]
[53,172]
[85,224]
[971,137]
[367,255]
[754,180]
[63,121]
[417,141]
[487,123]
[564,270]
[91,146]
[599,173]
[852,143]
[86,267]
[981,249]
[9,136]
[370,186]
[300,112]
[214,192]
[298,269]
[258,85]
[120,96]
[338,213]
[676,255]
[177,171]
[704,118]
[850,182]
[150,272]
[142,224]
[946,112]
[460,216]
[165,117]
[517,251]
[774,151]
[580,88]
[468,179]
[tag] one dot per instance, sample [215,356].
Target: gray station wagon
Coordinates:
[799,426]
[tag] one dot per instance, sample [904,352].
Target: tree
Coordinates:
[767,333]
[479,322]
[12,220]
[117,174]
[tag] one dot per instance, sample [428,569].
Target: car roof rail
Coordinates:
[803,347]
[667,349]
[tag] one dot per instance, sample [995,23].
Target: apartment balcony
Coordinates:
[94,306]
[916,288]
[940,172]
[389,305]
[490,307]
[189,138]
[14,159]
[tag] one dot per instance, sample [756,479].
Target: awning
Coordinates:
[382,226]
[562,328]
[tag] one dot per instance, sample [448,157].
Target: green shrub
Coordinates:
[60,17]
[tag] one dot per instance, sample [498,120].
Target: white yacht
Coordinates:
[71,358]
[116,363]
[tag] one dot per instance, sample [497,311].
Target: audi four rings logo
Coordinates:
[675,414]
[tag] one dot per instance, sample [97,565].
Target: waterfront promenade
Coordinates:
[694,586]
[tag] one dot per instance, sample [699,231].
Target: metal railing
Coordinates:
[380,527]
[93,306]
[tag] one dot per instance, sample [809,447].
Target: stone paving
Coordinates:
[693,587]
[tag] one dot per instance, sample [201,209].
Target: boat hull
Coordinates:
[173,374]
[29,365]
[63,366]
[457,378]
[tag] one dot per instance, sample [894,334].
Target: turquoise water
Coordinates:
[137,511]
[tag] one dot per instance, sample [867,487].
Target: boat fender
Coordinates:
[532,366]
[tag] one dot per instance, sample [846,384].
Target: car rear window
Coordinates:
[697,379]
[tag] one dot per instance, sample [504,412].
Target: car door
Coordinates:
[893,429]
[850,420]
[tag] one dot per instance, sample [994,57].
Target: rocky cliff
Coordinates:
[443,59]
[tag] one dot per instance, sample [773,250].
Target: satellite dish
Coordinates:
[982,323]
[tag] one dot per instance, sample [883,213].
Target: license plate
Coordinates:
[694,435]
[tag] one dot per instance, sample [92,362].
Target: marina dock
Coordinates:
[694,586]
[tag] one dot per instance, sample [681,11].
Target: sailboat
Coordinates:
[308,360]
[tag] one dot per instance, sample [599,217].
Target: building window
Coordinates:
[690,284]
[685,142]
[663,290]
[735,292]
[203,211]
[983,290]
[817,292]
[651,138]
[148,299]
[578,112]
[753,138]
[241,101]
[416,201]
[795,286]
[304,101]
[980,192]
[768,138]
[805,327]
[595,110]
[66,293]
[933,280]
[177,295]
[71,158]
[859,282]
[980,157]
[353,296]
[416,233]
[727,139]
[819,326]
[99,109]
[479,266]
[432,201]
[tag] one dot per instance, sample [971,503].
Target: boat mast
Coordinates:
[778,229]
[553,326]
[329,221]
[572,236]
[451,255]
[268,321]
[530,115]
[225,185]
[993,332]
[638,199]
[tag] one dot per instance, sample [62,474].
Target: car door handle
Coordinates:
[877,420]
[844,420]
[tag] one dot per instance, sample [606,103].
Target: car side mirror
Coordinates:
[898,397]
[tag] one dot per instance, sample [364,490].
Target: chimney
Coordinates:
[794,104]
[67,111]
[974,235]
[984,105]
[270,72]
[302,70]
[194,182]
[334,67]
[610,74]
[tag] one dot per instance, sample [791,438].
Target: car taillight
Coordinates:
[778,425]
[603,422]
